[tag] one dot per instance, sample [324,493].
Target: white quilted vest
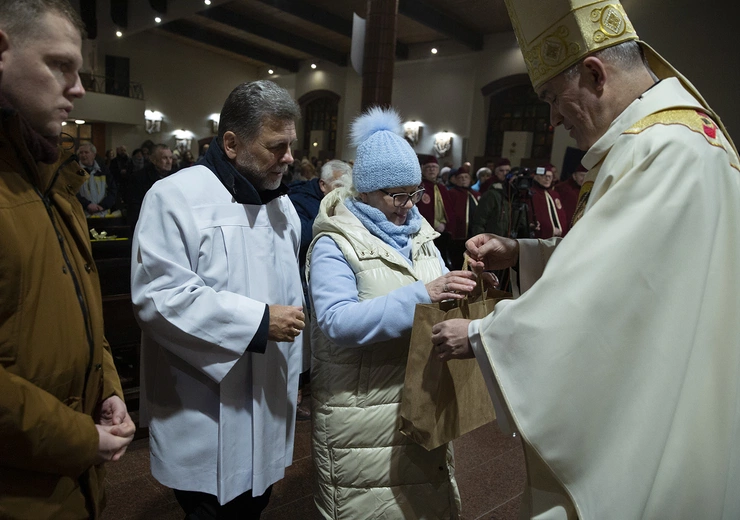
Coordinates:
[365,467]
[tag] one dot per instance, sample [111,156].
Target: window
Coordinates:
[320,111]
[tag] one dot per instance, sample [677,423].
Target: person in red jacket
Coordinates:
[548,218]
[435,206]
[463,202]
[568,191]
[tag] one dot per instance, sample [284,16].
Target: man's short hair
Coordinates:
[335,165]
[250,104]
[19,18]
[624,56]
[90,146]
[160,146]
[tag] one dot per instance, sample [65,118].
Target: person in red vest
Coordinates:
[434,205]
[548,218]
[568,191]
[463,202]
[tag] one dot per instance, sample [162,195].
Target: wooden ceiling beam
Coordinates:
[215,39]
[318,16]
[289,39]
[441,22]
[313,14]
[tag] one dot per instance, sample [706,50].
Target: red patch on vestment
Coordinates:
[710,129]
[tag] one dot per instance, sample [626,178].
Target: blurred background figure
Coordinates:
[568,191]
[548,218]
[98,194]
[306,197]
[463,203]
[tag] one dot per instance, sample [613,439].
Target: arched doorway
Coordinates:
[515,107]
[319,110]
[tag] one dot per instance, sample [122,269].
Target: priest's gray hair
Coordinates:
[20,18]
[251,104]
[625,56]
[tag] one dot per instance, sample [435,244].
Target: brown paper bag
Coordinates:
[444,400]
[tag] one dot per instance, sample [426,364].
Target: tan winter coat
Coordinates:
[365,467]
[55,365]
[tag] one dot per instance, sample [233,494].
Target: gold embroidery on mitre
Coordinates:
[612,23]
[580,32]
[553,49]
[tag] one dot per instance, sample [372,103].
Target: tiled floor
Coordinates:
[489,470]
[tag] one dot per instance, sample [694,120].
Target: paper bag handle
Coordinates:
[464,304]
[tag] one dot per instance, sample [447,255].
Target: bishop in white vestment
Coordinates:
[619,362]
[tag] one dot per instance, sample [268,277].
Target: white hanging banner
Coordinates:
[357,52]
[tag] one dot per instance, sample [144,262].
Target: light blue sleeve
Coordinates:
[346,320]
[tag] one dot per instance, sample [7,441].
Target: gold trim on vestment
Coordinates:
[583,196]
[695,120]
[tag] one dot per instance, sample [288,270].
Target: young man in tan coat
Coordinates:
[61,408]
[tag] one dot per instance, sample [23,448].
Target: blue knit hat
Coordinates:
[384,158]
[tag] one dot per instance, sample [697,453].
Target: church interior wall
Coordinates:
[700,40]
[187,83]
[184,82]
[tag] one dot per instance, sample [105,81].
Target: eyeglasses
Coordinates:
[400,199]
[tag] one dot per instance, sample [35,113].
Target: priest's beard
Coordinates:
[262,180]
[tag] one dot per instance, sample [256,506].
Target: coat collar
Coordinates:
[40,169]
[334,217]
[240,188]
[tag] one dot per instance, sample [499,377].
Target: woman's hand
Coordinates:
[454,285]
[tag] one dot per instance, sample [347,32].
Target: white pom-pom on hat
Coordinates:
[375,120]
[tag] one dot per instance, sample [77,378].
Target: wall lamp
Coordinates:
[214,119]
[153,121]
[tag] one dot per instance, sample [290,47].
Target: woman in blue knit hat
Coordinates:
[371,261]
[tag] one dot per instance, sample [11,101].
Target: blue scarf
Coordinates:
[378,224]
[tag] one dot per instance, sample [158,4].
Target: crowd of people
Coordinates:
[618,360]
[118,183]
[515,203]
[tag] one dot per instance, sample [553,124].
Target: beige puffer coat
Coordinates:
[365,467]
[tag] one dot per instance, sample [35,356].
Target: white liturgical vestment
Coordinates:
[204,269]
[619,363]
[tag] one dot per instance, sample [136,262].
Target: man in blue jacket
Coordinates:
[306,197]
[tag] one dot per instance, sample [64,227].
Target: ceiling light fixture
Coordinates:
[119,33]
[434,50]
[207,2]
[270,71]
[313,65]
[158,19]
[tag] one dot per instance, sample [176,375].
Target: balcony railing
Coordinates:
[106,85]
